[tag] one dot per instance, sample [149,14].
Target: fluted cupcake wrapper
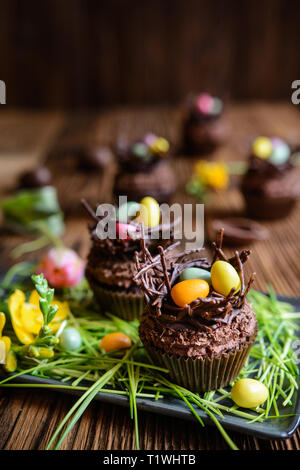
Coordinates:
[122,304]
[202,375]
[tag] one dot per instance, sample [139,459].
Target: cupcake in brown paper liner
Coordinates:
[205,343]
[111,267]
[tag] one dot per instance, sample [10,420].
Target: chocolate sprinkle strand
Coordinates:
[241,272]
[89,209]
[163,262]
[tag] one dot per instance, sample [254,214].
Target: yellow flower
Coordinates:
[212,174]
[5,341]
[27,318]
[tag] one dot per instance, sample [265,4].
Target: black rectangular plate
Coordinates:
[281,428]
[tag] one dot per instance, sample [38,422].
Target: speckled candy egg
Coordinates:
[123,231]
[70,339]
[280,153]
[185,292]
[224,277]
[127,211]
[140,150]
[249,393]
[114,341]
[195,273]
[149,212]
[262,147]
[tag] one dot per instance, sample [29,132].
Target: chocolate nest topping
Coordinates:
[156,276]
[125,249]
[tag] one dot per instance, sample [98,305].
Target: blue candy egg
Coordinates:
[280,152]
[70,339]
[127,211]
[195,273]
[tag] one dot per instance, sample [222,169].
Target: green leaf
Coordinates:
[52,312]
[33,210]
[44,309]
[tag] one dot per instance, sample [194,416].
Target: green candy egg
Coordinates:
[280,154]
[127,211]
[217,106]
[140,150]
[195,273]
[70,339]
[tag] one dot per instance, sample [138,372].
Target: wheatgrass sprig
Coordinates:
[91,371]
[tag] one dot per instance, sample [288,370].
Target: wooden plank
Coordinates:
[104,427]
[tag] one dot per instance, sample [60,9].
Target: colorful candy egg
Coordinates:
[217,106]
[160,145]
[280,153]
[123,231]
[195,273]
[224,277]
[114,341]
[141,150]
[149,212]
[149,139]
[249,393]
[70,339]
[127,211]
[262,147]
[185,292]
[205,103]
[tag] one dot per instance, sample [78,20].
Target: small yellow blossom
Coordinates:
[5,341]
[212,174]
[27,318]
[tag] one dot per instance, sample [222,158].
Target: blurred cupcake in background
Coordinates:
[204,127]
[271,185]
[144,168]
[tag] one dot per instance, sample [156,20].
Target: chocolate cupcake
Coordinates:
[204,127]
[197,322]
[271,185]
[111,267]
[144,168]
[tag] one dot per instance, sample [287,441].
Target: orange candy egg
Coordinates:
[114,341]
[186,291]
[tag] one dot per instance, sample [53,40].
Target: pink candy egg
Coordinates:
[123,230]
[150,139]
[205,103]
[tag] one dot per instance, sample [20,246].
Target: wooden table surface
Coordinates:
[28,418]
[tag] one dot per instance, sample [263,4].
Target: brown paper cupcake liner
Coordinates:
[202,375]
[122,304]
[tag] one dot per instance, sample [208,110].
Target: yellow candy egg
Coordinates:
[149,212]
[249,393]
[262,147]
[160,145]
[224,277]
[185,292]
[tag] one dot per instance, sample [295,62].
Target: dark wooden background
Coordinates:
[83,53]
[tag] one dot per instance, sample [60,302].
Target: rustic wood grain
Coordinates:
[27,418]
[75,53]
